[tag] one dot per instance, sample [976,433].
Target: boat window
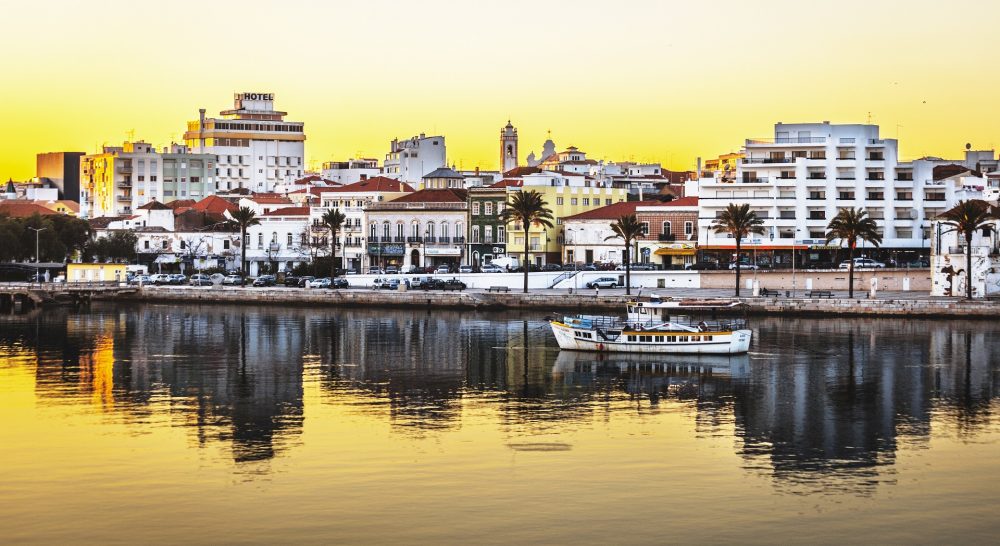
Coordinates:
[682,339]
[645,339]
[708,338]
[672,339]
[695,338]
[659,339]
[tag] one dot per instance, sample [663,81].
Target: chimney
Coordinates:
[698,172]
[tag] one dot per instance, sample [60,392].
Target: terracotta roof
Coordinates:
[24,210]
[315,190]
[154,205]
[680,202]
[521,171]
[375,184]
[215,204]
[270,199]
[507,183]
[947,171]
[289,211]
[181,203]
[613,211]
[314,178]
[447,195]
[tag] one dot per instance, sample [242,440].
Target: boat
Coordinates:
[654,327]
[577,362]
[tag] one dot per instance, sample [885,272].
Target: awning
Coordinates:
[753,247]
[675,252]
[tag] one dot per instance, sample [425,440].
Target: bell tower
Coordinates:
[508,148]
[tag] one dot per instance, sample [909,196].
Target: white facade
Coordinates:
[949,262]
[799,179]
[283,239]
[409,160]
[121,179]
[351,171]
[255,147]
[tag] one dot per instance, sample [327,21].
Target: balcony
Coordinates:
[458,240]
[414,239]
[399,239]
[754,180]
[786,140]
[816,176]
[767,160]
[124,169]
[876,142]
[666,238]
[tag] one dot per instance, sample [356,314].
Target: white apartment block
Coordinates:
[122,179]
[799,179]
[409,160]
[256,148]
[351,171]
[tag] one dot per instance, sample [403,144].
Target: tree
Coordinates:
[628,229]
[333,219]
[73,233]
[849,226]
[738,221]
[244,218]
[527,208]
[968,217]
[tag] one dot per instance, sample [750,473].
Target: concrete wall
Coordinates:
[888,279]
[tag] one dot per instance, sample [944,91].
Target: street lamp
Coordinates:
[37,256]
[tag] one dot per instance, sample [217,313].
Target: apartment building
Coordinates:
[411,159]
[801,177]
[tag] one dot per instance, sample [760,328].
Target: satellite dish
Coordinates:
[968,145]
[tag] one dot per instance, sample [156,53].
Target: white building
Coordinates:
[949,262]
[409,160]
[351,171]
[282,240]
[256,148]
[799,179]
[421,229]
[121,179]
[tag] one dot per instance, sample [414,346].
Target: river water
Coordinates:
[218,424]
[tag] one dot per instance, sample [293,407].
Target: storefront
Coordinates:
[676,255]
[450,255]
[386,254]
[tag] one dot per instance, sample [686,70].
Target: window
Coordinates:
[487,234]
[164,245]
[645,228]
[501,235]
[488,208]
[607,202]
[573,201]
[559,200]
[688,228]
[289,240]
[385,230]
[666,228]
[475,208]
[225,244]
[260,240]
[373,233]
[145,244]
[586,201]
[475,234]
[399,231]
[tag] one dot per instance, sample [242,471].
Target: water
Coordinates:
[167,424]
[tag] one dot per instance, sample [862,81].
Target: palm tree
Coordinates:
[850,226]
[527,208]
[334,220]
[968,217]
[738,221]
[628,229]
[244,218]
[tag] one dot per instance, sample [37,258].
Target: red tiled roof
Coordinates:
[941,172]
[289,211]
[154,205]
[215,204]
[270,199]
[447,195]
[181,203]
[506,183]
[24,210]
[313,190]
[314,178]
[613,211]
[521,171]
[375,184]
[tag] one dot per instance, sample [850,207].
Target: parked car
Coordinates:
[588,267]
[390,284]
[603,282]
[159,278]
[453,284]
[375,271]
[232,280]
[141,279]
[862,263]
[443,269]
[552,267]
[919,262]
[339,282]
[304,280]
[636,267]
[265,280]
[178,278]
[322,282]
[430,283]
[200,279]
[392,270]
[490,268]
[702,266]
[291,280]
[743,265]
[409,269]
[466,269]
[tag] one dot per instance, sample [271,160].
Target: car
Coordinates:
[375,271]
[392,270]
[430,283]
[291,280]
[443,269]
[702,266]
[322,282]
[233,280]
[636,267]
[303,281]
[552,267]
[490,268]
[265,280]
[199,279]
[588,267]
[466,269]
[743,265]
[453,284]
[862,263]
[603,282]
[141,279]
[339,282]
[919,262]
[159,278]
[390,284]
[409,269]
[178,278]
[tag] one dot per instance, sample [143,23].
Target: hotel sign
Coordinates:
[255,96]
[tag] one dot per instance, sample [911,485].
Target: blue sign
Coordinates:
[386,250]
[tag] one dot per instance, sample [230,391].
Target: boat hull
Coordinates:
[730,343]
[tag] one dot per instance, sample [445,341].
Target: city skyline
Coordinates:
[656,83]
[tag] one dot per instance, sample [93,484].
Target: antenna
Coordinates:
[869,118]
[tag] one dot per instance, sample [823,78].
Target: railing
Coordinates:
[876,141]
[562,277]
[666,237]
[414,239]
[755,181]
[787,140]
[847,140]
[459,240]
[749,160]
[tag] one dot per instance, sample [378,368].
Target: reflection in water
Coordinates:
[816,405]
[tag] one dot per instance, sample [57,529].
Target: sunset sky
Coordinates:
[644,80]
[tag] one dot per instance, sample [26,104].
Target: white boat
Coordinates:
[652,327]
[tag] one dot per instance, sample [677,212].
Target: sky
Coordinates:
[660,81]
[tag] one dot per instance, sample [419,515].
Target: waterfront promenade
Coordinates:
[895,303]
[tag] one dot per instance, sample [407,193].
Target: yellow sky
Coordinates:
[645,80]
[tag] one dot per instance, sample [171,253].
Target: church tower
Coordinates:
[508,148]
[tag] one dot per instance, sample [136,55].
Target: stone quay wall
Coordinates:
[917,280]
[542,302]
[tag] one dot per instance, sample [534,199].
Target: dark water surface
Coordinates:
[208,424]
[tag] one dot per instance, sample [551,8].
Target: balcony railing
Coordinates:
[666,237]
[754,160]
[458,240]
[787,140]
[754,180]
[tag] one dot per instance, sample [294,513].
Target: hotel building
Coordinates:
[255,147]
[409,160]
